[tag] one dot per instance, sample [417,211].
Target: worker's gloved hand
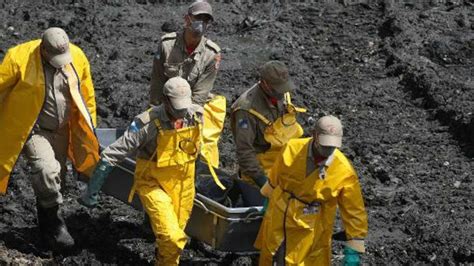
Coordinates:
[265,205]
[351,257]
[260,180]
[91,196]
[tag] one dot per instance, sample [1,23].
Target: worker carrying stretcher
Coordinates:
[167,139]
[310,179]
[263,120]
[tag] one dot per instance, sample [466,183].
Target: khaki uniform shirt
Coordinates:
[248,130]
[57,104]
[144,140]
[199,68]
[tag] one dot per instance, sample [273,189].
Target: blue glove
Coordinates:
[90,197]
[265,206]
[351,257]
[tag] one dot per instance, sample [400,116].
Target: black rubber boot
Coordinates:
[53,229]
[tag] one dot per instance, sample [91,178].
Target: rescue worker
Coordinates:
[48,110]
[263,120]
[310,179]
[167,140]
[190,55]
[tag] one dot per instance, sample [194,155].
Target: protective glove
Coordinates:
[260,180]
[90,197]
[265,206]
[351,257]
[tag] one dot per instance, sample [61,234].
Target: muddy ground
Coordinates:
[399,76]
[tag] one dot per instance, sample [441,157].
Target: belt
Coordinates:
[293,196]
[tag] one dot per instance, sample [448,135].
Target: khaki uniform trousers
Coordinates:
[46,152]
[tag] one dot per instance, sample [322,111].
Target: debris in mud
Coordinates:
[399,77]
[250,23]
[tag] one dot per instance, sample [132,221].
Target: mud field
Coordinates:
[399,76]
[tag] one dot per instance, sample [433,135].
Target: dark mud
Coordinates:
[399,76]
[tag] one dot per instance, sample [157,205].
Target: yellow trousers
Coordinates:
[168,201]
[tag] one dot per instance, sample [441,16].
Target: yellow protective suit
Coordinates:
[302,208]
[277,133]
[22,94]
[166,188]
[214,117]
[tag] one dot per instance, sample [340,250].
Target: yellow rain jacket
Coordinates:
[302,208]
[277,133]
[22,94]
[214,117]
[166,188]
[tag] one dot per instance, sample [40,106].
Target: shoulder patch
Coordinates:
[135,126]
[243,123]
[169,36]
[213,46]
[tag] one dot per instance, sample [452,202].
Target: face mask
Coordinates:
[198,27]
[178,113]
[324,151]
